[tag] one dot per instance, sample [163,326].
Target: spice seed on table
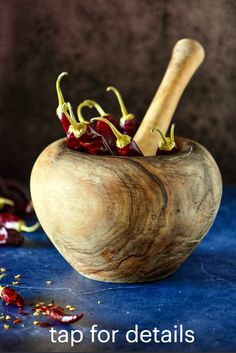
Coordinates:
[17,276]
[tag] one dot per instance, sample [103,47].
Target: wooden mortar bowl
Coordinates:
[126,219]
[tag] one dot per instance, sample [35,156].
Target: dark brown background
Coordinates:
[126,43]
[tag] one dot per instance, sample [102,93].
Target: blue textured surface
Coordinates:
[200,295]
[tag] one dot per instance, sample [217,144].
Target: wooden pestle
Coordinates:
[186,57]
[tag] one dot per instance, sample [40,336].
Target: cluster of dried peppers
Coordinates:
[103,134]
[15,204]
[54,312]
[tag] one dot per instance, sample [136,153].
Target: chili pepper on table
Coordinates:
[10,236]
[12,221]
[11,227]
[125,145]
[82,137]
[128,121]
[57,313]
[61,115]
[11,296]
[101,127]
[167,145]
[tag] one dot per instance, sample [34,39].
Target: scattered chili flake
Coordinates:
[17,321]
[22,312]
[6,327]
[45,324]
[11,296]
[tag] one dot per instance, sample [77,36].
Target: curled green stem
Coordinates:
[79,110]
[22,227]
[121,139]
[90,104]
[61,100]
[167,143]
[124,111]
[4,201]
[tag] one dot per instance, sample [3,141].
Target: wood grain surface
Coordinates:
[126,219]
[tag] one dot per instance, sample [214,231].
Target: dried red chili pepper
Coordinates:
[82,137]
[10,237]
[57,313]
[128,121]
[12,221]
[61,115]
[125,145]
[11,296]
[167,145]
[101,127]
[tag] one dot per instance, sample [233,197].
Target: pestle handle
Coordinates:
[186,57]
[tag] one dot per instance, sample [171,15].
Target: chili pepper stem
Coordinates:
[4,201]
[79,112]
[61,100]
[172,133]
[96,106]
[121,139]
[162,135]
[167,143]
[78,129]
[124,111]
[22,227]
[120,99]
[91,104]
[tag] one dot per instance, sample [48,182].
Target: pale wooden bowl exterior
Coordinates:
[126,219]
